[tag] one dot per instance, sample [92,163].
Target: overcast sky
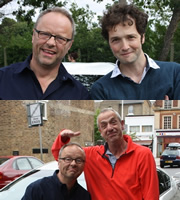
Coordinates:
[98,8]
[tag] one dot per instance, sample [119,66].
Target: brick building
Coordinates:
[127,107]
[18,138]
[167,123]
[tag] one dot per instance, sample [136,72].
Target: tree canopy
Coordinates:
[161,36]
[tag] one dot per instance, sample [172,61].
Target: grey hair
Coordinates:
[70,144]
[107,110]
[61,11]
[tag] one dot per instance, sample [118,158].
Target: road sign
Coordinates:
[34,114]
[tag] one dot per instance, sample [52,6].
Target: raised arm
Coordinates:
[62,138]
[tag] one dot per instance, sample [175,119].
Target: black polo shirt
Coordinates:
[18,82]
[50,188]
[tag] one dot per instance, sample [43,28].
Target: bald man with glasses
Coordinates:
[63,183]
[42,75]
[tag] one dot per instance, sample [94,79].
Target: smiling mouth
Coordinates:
[111,134]
[73,171]
[126,54]
[48,52]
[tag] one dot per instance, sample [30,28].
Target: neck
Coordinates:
[69,182]
[44,74]
[118,148]
[134,70]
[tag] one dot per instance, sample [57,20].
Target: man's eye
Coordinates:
[60,38]
[78,160]
[103,126]
[43,34]
[115,40]
[131,37]
[68,159]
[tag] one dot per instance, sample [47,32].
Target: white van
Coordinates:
[88,73]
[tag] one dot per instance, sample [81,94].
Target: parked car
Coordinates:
[170,157]
[175,145]
[16,166]
[88,73]
[167,185]
[16,189]
[4,158]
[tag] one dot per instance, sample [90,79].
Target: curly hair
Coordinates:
[119,13]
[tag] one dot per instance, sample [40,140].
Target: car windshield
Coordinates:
[170,152]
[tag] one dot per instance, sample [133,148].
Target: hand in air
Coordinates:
[69,133]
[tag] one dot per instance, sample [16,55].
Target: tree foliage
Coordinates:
[89,43]
[165,13]
[15,37]
[97,135]
[4,2]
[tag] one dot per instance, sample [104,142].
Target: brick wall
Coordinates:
[17,136]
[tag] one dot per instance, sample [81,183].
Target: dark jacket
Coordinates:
[50,188]
[18,82]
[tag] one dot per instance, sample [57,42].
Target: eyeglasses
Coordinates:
[46,36]
[69,160]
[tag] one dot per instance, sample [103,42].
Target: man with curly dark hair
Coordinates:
[136,75]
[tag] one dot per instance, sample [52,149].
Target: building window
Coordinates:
[179,121]
[167,104]
[147,128]
[167,122]
[134,129]
[130,110]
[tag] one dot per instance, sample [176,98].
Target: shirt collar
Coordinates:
[150,64]
[24,65]
[108,152]
[63,75]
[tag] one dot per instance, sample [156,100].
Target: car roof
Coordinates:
[6,156]
[50,165]
[94,68]
[174,145]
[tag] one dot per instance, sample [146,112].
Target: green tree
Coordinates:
[97,134]
[4,2]
[15,37]
[163,12]
[89,43]
[177,44]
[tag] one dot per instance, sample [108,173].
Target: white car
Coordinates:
[167,185]
[88,73]
[16,189]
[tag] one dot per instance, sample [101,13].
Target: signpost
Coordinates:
[35,119]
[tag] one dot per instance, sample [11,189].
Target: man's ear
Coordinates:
[122,124]
[70,44]
[143,38]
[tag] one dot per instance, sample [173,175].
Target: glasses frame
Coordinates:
[71,160]
[66,40]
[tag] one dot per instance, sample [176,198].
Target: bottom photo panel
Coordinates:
[90,150]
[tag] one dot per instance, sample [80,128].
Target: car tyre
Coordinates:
[161,165]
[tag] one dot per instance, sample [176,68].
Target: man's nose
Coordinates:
[109,126]
[73,162]
[125,45]
[51,41]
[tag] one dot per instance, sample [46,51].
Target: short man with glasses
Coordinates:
[42,75]
[63,184]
